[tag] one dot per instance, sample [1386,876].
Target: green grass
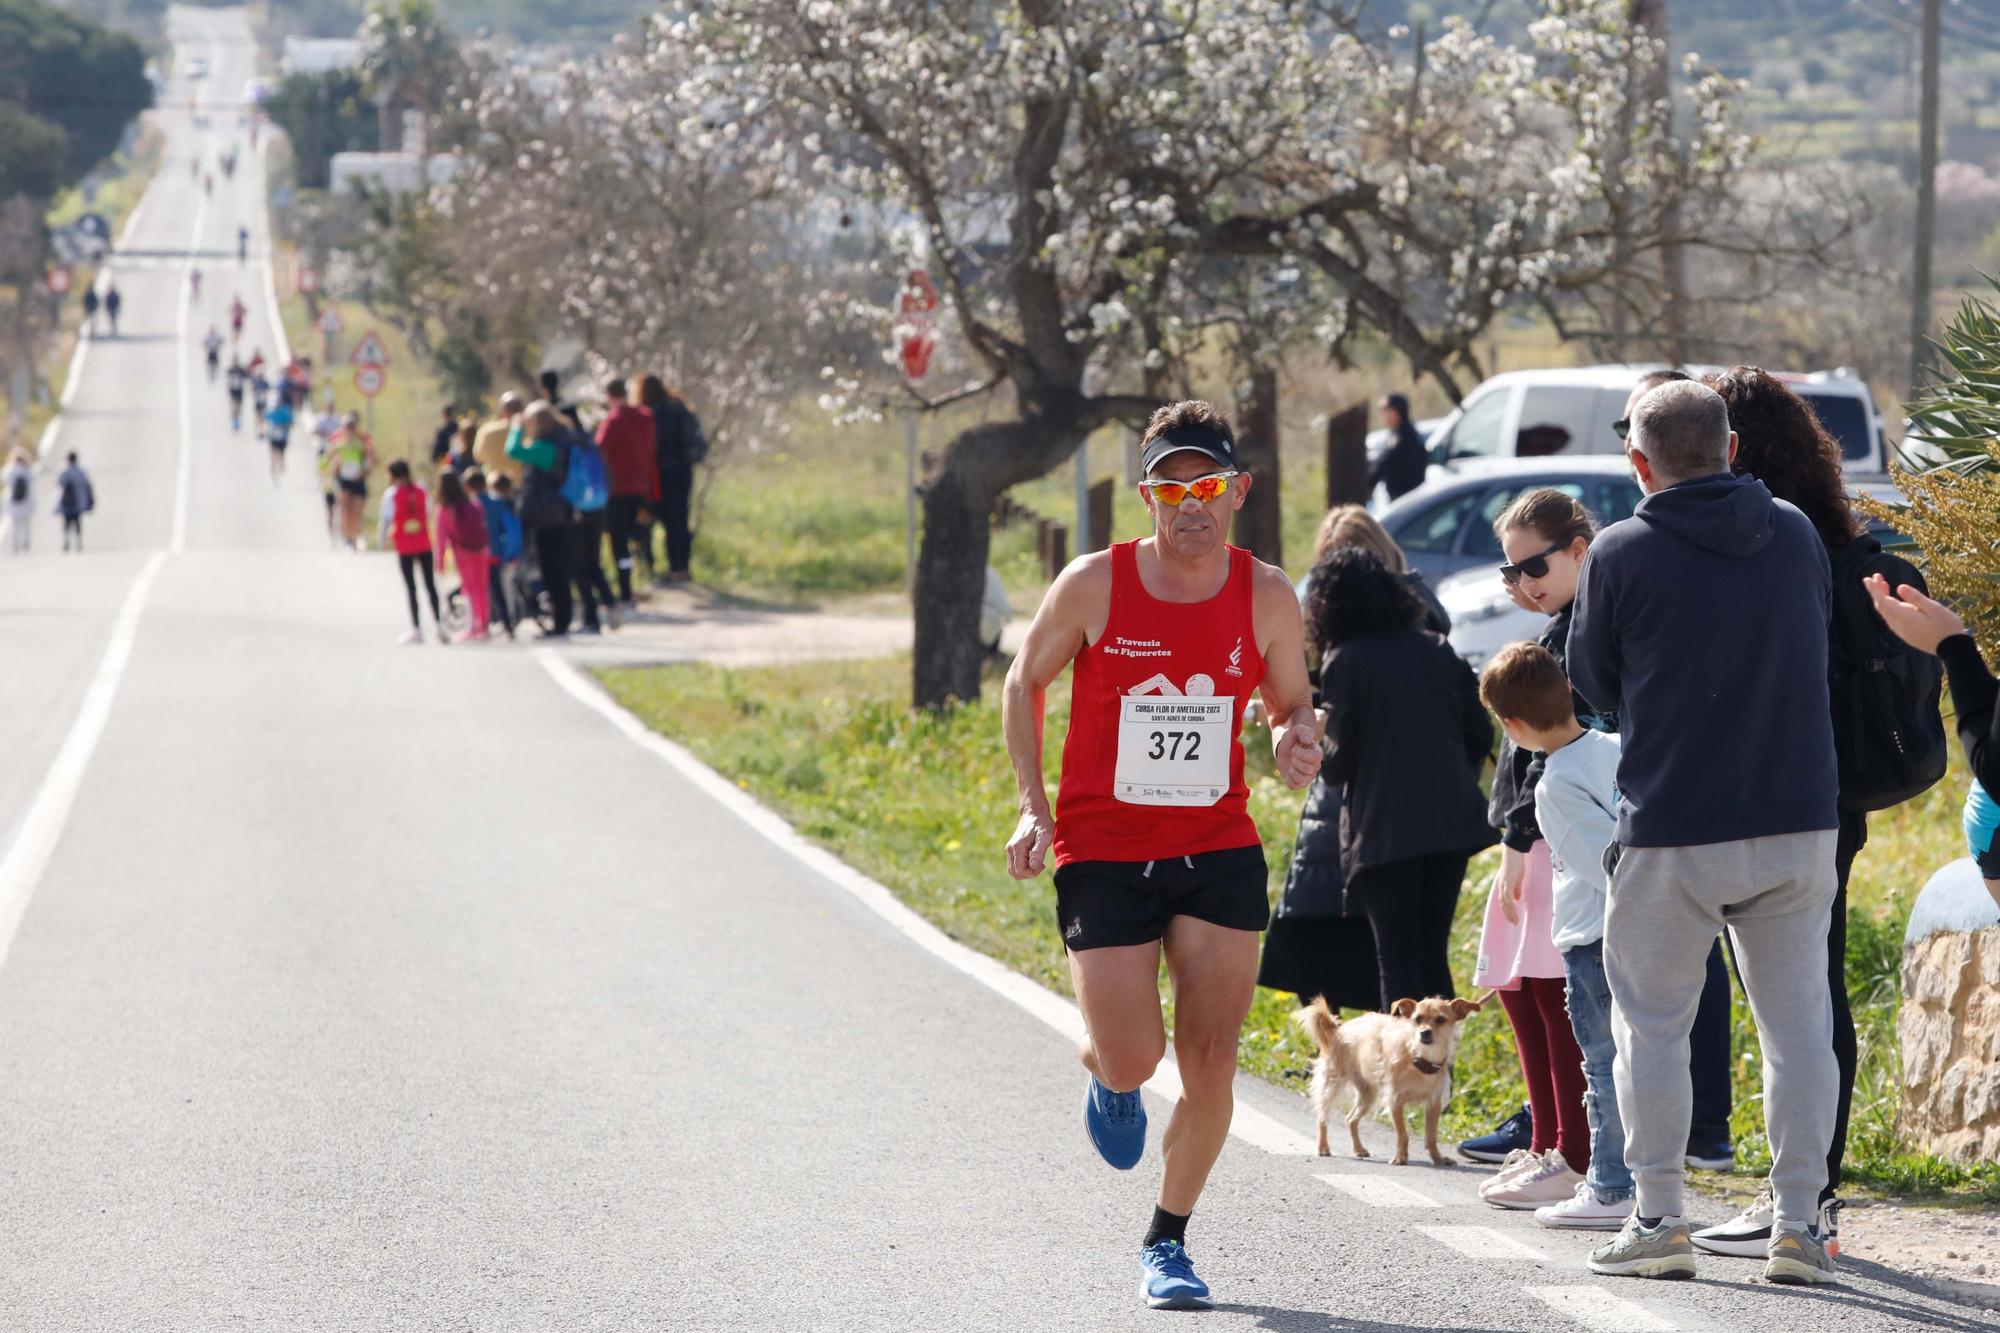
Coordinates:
[924,803]
[115,197]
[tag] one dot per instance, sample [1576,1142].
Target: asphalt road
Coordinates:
[361,987]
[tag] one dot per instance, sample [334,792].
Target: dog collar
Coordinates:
[1425,1066]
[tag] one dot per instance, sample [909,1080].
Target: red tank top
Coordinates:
[1153,764]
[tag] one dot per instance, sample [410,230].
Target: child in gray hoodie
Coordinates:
[1576,805]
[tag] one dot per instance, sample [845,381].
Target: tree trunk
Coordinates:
[1651,18]
[951,581]
[1259,525]
[978,464]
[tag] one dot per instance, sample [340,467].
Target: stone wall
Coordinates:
[1950,1035]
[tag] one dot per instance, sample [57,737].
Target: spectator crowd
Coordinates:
[1728,683]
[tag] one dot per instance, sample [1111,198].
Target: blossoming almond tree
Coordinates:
[1099,183]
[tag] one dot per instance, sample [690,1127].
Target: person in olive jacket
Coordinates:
[1408,737]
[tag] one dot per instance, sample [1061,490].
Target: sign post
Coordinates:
[370,359]
[915,344]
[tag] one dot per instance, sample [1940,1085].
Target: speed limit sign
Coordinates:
[369,380]
[59,280]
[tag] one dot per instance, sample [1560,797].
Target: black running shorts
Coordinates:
[1106,903]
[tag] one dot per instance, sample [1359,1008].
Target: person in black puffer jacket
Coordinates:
[1314,945]
[1407,737]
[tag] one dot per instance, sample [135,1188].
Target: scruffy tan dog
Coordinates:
[1403,1056]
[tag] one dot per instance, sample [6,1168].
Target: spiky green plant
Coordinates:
[1951,472]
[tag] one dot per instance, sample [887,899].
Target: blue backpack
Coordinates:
[586,483]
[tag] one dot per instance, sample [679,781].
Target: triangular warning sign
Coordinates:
[369,351]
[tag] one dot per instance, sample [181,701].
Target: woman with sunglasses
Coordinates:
[1407,737]
[1544,535]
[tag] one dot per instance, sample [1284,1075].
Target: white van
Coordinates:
[1536,413]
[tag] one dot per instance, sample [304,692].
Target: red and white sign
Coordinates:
[916,341]
[308,280]
[329,320]
[369,351]
[370,380]
[59,280]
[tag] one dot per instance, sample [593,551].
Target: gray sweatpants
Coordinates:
[1666,905]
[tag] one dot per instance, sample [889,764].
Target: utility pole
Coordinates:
[1927,155]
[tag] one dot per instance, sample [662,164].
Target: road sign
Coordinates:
[308,280]
[369,351]
[94,224]
[369,380]
[59,280]
[329,319]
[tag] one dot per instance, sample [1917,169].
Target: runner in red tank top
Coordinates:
[1154,847]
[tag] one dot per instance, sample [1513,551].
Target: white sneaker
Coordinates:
[1550,1182]
[1584,1211]
[1513,1164]
[442,636]
[1749,1234]
[1746,1235]
[413,638]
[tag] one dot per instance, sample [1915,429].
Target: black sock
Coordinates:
[1649,1222]
[1166,1226]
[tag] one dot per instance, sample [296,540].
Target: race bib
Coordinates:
[1173,750]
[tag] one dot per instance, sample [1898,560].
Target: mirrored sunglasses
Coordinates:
[1211,487]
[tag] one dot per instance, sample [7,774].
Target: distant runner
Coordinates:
[211,347]
[235,382]
[278,432]
[1155,851]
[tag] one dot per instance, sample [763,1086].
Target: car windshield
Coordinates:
[1845,419]
[1477,433]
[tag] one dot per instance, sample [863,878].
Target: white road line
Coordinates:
[1249,1125]
[1378,1192]
[43,824]
[270,251]
[1484,1243]
[1596,1308]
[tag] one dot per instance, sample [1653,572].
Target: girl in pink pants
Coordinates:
[461,529]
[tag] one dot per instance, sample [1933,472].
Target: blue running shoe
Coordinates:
[1517,1131]
[1170,1282]
[1117,1124]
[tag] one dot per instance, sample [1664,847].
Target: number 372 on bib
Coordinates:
[1173,750]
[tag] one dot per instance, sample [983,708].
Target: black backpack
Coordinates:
[19,493]
[1888,734]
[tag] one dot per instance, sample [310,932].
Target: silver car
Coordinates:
[1485,619]
[1446,525]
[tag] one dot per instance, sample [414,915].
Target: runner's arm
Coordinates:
[1080,596]
[1287,690]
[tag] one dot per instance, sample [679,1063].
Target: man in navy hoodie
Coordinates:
[1702,620]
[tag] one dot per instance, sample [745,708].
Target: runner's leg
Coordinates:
[1214,973]
[1118,990]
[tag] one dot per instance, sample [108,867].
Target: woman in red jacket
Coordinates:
[626,437]
[406,524]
